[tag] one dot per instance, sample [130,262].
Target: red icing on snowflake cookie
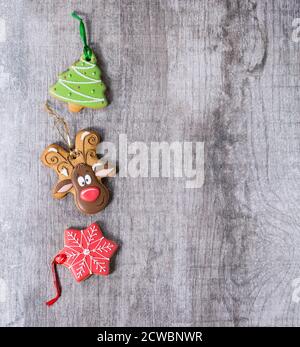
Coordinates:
[86,252]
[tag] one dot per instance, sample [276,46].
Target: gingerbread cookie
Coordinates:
[86,252]
[80,171]
[81,86]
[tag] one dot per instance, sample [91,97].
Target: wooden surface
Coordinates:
[222,72]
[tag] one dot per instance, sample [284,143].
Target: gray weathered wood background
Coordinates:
[222,72]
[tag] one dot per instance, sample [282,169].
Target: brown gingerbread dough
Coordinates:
[79,172]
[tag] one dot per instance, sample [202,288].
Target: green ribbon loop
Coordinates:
[86,49]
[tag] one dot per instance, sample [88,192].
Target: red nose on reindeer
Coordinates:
[90,194]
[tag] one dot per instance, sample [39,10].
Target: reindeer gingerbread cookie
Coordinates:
[80,172]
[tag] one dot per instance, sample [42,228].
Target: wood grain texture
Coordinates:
[222,72]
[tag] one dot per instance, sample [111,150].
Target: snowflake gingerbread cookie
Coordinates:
[86,252]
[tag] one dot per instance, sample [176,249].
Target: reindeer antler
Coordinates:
[85,145]
[58,159]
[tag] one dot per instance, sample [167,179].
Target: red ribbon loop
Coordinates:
[59,259]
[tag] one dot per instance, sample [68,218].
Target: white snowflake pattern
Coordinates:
[88,252]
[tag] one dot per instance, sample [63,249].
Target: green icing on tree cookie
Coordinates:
[81,85]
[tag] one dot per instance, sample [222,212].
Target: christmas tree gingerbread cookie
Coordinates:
[81,84]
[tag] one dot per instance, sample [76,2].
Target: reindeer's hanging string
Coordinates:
[59,121]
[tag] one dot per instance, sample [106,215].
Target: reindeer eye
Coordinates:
[88,179]
[81,181]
